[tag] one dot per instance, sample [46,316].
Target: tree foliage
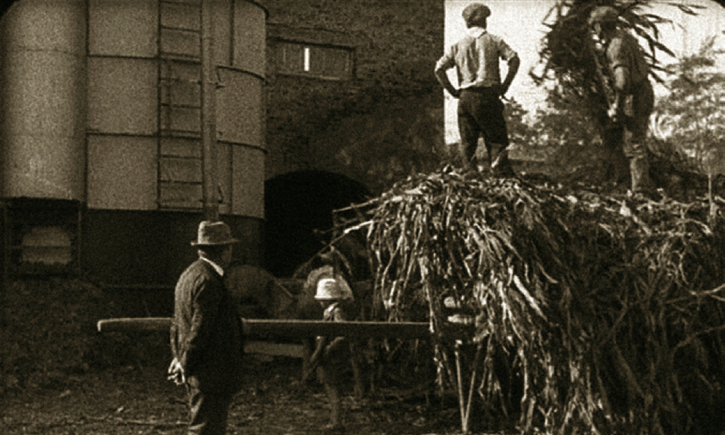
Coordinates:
[562,136]
[690,123]
[567,51]
[569,70]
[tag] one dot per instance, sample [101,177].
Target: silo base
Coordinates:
[152,248]
[41,236]
[44,237]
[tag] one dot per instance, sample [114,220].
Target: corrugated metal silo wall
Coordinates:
[107,112]
[144,148]
[43,100]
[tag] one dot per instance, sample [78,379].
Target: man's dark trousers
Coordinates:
[480,113]
[209,412]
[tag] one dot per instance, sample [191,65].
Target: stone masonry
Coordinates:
[380,123]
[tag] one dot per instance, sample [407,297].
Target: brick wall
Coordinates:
[378,126]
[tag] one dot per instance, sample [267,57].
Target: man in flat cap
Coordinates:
[206,333]
[480,109]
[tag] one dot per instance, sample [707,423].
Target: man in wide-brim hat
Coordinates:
[206,333]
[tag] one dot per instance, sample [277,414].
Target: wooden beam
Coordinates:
[134,324]
[275,329]
[271,329]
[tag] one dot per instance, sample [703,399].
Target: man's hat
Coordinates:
[476,14]
[214,234]
[330,289]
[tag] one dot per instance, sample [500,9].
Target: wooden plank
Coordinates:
[288,350]
[274,329]
[300,328]
[134,324]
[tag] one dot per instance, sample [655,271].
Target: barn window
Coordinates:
[320,61]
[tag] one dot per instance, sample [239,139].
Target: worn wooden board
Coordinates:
[276,329]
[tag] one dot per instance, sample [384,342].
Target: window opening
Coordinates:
[311,60]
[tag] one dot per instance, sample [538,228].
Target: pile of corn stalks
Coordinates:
[609,309]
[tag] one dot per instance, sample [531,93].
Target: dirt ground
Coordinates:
[134,400]
[58,375]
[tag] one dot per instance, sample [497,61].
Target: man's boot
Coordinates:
[639,169]
[500,163]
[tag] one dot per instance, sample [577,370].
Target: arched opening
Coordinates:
[297,204]
[4,6]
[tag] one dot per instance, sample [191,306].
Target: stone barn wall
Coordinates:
[378,119]
[352,106]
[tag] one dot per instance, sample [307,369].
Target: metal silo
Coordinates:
[43,109]
[101,104]
[145,161]
[144,105]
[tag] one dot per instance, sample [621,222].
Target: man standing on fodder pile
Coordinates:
[206,333]
[632,98]
[480,109]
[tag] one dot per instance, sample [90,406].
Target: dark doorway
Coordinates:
[5,5]
[297,204]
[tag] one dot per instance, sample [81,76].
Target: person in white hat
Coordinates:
[332,357]
[207,341]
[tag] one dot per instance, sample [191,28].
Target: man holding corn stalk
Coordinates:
[629,92]
[480,109]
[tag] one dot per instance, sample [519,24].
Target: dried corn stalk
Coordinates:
[610,309]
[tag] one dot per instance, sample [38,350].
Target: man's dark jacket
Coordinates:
[206,333]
